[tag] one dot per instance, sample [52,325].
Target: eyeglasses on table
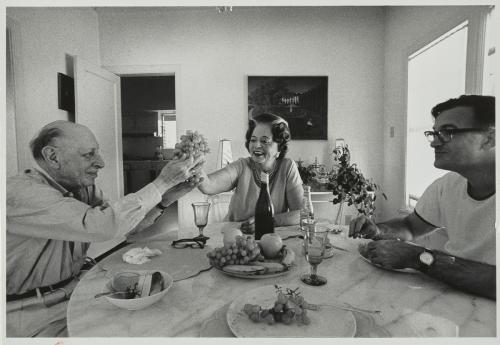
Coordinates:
[196,242]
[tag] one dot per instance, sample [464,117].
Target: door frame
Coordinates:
[152,71]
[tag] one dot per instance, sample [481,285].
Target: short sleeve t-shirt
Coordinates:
[469,223]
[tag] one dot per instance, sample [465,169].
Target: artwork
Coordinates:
[301,101]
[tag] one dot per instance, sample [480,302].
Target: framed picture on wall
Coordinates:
[302,101]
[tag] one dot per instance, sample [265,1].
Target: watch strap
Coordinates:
[161,207]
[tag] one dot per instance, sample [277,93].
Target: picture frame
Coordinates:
[301,100]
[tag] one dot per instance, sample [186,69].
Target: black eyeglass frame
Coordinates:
[449,132]
[197,242]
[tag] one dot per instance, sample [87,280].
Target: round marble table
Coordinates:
[412,304]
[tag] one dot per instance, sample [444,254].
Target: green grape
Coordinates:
[247,308]
[222,260]
[255,317]
[243,253]
[269,319]
[192,144]
[229,251]
[278,307]
[218,255]
[286,319]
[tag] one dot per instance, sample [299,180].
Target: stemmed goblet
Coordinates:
[315,240]
[201,217]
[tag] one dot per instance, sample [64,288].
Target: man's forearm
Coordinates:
[397,228]
[470,276]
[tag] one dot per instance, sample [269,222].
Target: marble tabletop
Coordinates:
[412,304]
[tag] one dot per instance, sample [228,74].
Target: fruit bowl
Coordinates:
[151,287]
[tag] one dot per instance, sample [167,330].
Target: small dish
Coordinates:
[158,287]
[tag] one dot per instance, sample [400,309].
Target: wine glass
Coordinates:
[315,240]
[201,217]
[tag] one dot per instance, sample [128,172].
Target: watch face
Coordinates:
[426,258]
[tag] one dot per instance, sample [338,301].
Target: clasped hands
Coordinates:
[386,250]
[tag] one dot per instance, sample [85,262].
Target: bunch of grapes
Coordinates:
[287,308]
[192,144]
[243,251]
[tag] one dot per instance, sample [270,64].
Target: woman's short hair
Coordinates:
[279,130]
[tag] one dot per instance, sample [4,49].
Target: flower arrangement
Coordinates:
[349,185]
[306,174]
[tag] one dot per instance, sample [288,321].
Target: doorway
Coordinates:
[149,132]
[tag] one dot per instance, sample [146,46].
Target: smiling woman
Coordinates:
[267,140]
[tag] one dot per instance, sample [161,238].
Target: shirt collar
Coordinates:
[52,182]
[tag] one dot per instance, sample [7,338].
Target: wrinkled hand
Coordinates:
[181,189]
[179,170]
[392,254]
[248,226]
[364,227]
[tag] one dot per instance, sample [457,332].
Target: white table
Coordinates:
[413,304]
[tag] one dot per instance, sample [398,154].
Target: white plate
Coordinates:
[326,322]
[403,270]
[258,276]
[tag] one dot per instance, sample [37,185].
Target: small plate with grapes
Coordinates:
[244,259]
[290,312]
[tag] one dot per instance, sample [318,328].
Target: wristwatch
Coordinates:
[426,259]
[161,207]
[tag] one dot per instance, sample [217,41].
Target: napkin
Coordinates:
[138,256]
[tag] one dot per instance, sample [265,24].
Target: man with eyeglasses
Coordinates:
[462,202]
[54,212]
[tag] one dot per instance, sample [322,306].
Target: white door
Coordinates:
[98,106]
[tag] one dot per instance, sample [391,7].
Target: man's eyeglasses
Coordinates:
[196,242]
[446,134]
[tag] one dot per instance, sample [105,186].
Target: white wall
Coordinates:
[44,37]
[407,30]
[217,52]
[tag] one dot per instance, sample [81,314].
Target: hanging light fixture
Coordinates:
[224,9]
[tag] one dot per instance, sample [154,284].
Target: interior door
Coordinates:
[98,106]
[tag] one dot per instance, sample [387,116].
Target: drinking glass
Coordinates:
[201,217]
[315,240]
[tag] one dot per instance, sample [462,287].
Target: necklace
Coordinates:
[256,172]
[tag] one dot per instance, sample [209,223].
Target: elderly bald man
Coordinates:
[54,212]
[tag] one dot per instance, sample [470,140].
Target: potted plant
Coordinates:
[306,174]
[349,185]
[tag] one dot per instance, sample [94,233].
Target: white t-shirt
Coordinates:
[470,223]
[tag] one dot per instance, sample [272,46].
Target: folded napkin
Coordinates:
[138,256]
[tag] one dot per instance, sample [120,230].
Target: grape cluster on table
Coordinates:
[192,144]
[241,252]
[288,308]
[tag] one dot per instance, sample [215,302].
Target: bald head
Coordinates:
[69,152]
[57,130]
